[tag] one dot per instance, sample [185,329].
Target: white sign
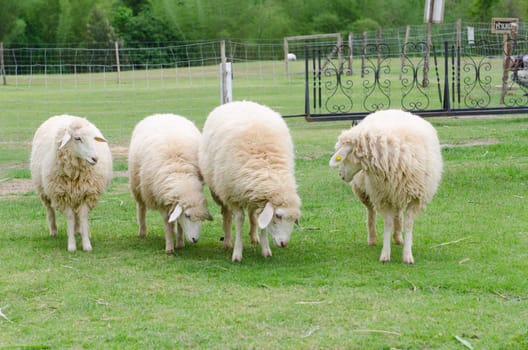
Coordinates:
[471,35]
[503,25]
[434,11]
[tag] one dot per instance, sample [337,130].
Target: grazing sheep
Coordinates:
[247,160]
[392,159]
[71,165]
[164,176]
[292,57]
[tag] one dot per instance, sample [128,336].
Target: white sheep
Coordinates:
[291,57]
[393,161]
[71,165]
[164,176]
[247,160]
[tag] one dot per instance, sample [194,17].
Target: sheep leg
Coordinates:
[239,223]
[253,226]
[169,233]
[371,225]
[410,215]
[227,217]
[141,212]
[77,223]
[180,243]
[50,216]
[397,231]
[387,232]
[264,243]
[81,223]
[70,229]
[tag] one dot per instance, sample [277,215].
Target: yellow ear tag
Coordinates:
[339,158]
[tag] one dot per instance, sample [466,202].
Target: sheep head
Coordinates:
[190,221]
[279,221]
[348,165]
[82,142]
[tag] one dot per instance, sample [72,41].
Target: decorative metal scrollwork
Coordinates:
[476,82]
[414,98]
[338,87]
[377,67]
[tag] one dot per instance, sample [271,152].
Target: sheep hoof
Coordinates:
[408,259]
[384,258]
[237,257]
[87,249]
[53,233]
[372,242]
[266,253]
[169,251]
[255,240]
[398,240]
[72,248]
[228,245]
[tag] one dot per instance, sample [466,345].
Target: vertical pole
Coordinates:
[363,53]
[378,46]
[447,106]
[286,54]
[2,67]
[118,65]
[404,50]
[425,81]
[340,51]
[223,73]
[307,82]
[505,67]
[351,53]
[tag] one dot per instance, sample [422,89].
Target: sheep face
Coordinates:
[279,222]
[82,144]
[348,167]
[191,224]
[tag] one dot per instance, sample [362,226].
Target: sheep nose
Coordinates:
[194,240]
[94,160]
[283,244]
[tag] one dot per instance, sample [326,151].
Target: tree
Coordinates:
[9,11]
[99,31]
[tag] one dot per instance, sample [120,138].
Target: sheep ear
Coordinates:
[339,156]
[175,213]
[99,139]
[65,139]
[265,217]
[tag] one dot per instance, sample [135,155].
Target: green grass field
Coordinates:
[326,290]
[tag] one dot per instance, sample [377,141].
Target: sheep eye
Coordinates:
[278,216]
[77,138]
[188,216]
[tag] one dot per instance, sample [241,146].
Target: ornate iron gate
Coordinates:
[455,83]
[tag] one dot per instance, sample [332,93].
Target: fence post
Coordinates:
[363,54]
[117,62]
[226,86]
[351,52]
[425,81]
[508,48]
[286,49]
[404,50]
[2,67]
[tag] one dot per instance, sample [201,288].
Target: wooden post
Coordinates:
[363,54]
[378,46]
[225,76]
[2,67]
[425,80]
[508,47]
[404,50]
[340,51]
[351,53]
[286,49]
[118,65]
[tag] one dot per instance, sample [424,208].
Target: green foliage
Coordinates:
[156,21]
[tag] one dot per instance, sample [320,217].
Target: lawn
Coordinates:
[326,290]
